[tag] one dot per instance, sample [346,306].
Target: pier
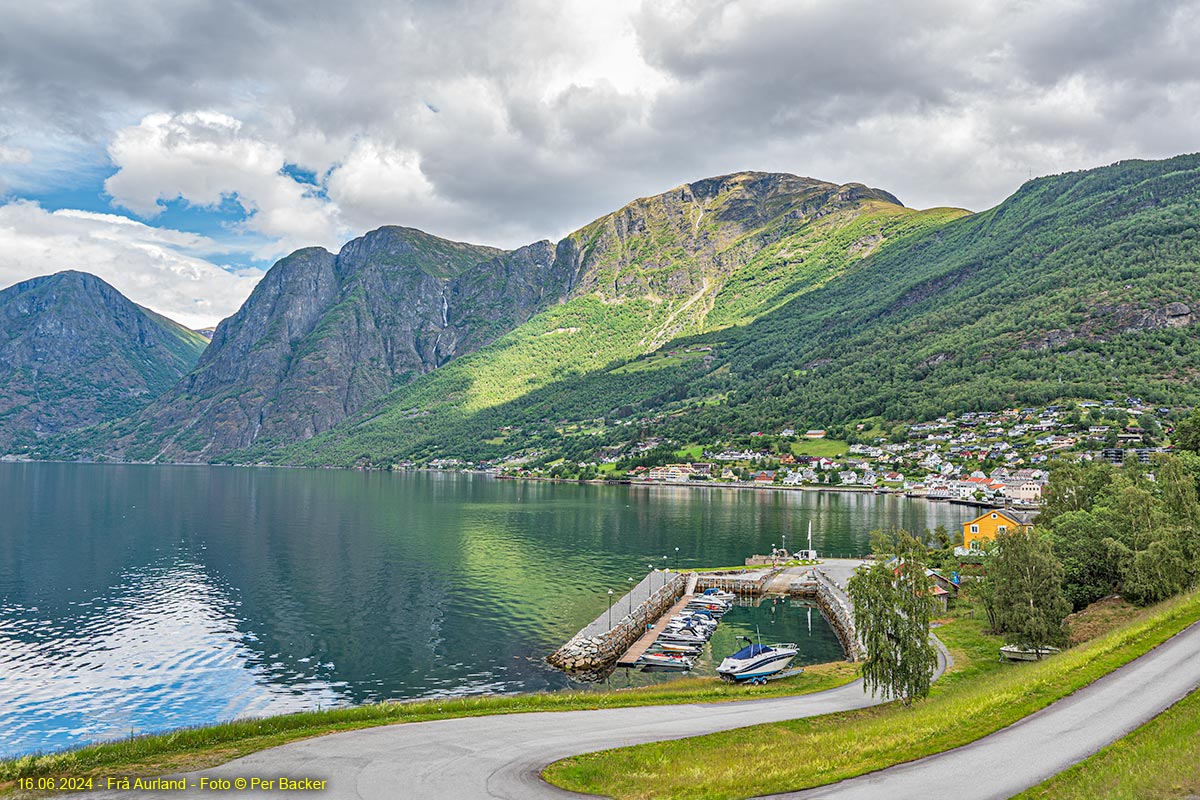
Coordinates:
[639,647]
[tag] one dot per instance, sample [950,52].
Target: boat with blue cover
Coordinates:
[755,662]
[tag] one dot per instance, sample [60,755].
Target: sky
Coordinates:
[178,149]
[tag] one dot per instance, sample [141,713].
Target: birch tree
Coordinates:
[892,610]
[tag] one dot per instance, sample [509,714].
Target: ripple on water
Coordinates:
[164,651]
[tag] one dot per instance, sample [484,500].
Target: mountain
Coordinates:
[75,352]
[710,255]
[1085,284]
[323,334]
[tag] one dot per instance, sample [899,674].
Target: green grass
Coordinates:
[978,697]
[196,748]
[820,448]
[1161,759]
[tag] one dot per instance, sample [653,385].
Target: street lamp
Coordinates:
[610,609]
[630,597]
[677,559]
[650,576]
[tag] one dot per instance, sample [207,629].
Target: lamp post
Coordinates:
[630,597]
[677,559]
[650,569]
[610,609]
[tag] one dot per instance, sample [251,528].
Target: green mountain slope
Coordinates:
[75,352]
[705,255]
[1083,284]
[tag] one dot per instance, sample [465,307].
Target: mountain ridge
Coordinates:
[718,306]
[76,352]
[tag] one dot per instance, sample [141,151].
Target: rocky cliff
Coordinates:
[75,352]
[324,334]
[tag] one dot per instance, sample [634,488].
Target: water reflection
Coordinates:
[144,598]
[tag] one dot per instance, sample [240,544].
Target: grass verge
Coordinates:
[196,748]
[970,702]
[1159,760]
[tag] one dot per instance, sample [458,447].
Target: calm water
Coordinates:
[137,598]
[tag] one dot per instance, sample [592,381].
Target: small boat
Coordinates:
[667,660]
[715,607]
[1013,652]
[682,637]
[718,594]
[699,623]
[755,662]
[679,647]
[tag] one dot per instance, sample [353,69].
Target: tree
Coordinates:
[1187,433]
[1030,606]
[892,609]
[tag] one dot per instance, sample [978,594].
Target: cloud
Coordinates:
[162,269]
[504,123]
[15,155]
[206,158]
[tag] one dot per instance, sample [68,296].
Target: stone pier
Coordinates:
[592,653]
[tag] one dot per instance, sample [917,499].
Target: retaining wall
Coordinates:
[834,603]
[751,584]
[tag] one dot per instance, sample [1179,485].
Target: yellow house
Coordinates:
[983,529]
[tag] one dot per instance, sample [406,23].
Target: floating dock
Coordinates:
[639,648]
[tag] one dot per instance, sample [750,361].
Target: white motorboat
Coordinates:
[683,637]
[755,662]
[666,660]
[718,594]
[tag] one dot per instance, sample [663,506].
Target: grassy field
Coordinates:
[820,448]
[196,748]
[978,697]
[1161,759]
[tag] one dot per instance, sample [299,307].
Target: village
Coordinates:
[985,457]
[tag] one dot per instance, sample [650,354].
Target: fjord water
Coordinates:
[144,598]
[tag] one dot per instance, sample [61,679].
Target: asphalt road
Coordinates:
[1043,744]
[492,757]
[502,756]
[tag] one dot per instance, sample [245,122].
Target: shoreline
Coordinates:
[9,459]
[741,487]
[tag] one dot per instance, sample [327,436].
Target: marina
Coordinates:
[660,622]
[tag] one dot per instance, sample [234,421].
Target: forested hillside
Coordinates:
[701,257]
[1084,284]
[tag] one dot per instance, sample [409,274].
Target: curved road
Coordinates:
[497,756]
[502,756]
[1046,742]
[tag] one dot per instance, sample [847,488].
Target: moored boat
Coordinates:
[666,660]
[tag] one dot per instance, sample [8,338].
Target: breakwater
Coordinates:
[830,596]
[592,653]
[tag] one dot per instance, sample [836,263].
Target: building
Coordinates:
[983,529]
[673,473]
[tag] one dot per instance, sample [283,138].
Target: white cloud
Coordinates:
[162,269]
[205,158]
[504,123]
